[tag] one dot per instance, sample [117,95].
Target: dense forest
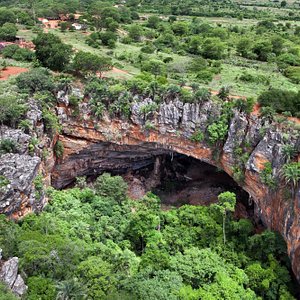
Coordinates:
[92,241]
[96,243]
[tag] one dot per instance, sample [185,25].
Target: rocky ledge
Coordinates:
[9,275]
[252,142]
[113,143]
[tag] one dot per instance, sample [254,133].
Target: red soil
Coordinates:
[11,71]
[116,71]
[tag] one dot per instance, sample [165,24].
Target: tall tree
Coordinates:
[227,201]
[52,52]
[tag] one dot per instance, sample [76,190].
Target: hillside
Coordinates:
[149,150]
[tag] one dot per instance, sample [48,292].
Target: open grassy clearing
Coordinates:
[230,74]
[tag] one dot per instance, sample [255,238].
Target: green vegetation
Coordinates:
[93,242]
[267,176]
[98,244]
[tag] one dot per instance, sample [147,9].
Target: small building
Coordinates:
[78,26]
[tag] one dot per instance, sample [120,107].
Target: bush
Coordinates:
[280,100]
[37,79]
[247,77]
[197,136]
[8,146]
[266,175]
[23,55]
[293,73]
[148,49]
[51,122]
[8,32]
[59,149]
[17,53]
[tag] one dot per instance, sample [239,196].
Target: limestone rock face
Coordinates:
[92,146]
[9,275]
[20,139]
[251,142]
[17,173]
[63,97]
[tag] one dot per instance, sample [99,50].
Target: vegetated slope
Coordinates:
[100,244]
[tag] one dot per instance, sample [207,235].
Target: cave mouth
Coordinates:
[178,179]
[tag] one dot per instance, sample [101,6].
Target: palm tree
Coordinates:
[70,289]
[288,152]
[226,204]
[291,174]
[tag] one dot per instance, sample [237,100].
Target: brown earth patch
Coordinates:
[11,71]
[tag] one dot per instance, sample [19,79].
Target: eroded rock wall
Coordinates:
[92,146]
[251,142]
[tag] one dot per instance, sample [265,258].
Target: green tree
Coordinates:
[153,22]
[41,288]
[283,3]
[111,186]
[180,28]
[213,48]
[155,67]
[7,16]
[226,204]
[244,47]
[280,100]
[8,32]
[135,32]
[37,79]
[85,63]
[263,49]
[98,277]
[71,289]
[51,52]
[63,26]
[291,174]
[12,108]
[289,152]
[5,293]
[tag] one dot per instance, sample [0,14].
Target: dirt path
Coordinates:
[11,71]
[120,73]
[215,93]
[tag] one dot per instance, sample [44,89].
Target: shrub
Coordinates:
[9,51]
[217,131]
[17,53]
[59,149]
[266,175]
[37,79]
[197,136]
[280,100]
[8,146]
[205,76]
[293,73]
[39,186]
[51,122]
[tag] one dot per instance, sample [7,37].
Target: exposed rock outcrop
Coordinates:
[92,146]
[250,143]
[9,275]
[17,191]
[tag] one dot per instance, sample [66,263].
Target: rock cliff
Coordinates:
[9,275]
[114,143]
[251,142]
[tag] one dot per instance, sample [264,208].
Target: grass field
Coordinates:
[125,57]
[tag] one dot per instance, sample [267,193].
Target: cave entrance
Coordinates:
[178,179]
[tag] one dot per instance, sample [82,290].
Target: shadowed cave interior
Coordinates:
[179,179]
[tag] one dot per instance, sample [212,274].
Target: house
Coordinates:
[78,26]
